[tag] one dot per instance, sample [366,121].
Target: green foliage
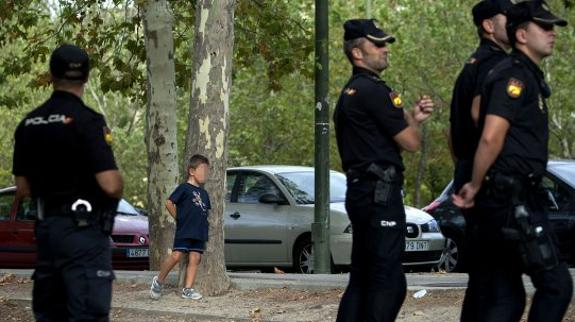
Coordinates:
[274,127]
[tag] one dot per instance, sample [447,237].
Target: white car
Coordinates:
[269,211]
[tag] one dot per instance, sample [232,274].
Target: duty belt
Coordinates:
[58,209]
[374,172]
[497,178]
[54,209]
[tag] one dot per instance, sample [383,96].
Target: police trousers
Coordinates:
[495,291]
[377,285]
[73,275]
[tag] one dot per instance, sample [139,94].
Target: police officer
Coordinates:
[512,234]
[371,129]
[489,17]
[63,159]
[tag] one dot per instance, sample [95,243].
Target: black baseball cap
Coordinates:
[358,28]
[486,9]
[70,62]
[532,10]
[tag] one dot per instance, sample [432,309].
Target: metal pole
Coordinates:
[320,227]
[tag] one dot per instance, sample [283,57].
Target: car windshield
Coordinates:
[124,208]
[564,171]
[301,186]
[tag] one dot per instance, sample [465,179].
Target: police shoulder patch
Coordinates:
[107,135]
[396,99]
[514,88]
[350,91]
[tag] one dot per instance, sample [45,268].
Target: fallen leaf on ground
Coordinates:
[7,278]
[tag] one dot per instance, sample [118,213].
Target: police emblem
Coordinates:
[396,99]
[514,88]
[107,135]
[350,91]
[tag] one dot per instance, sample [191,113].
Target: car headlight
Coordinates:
[142,240]
[348,230]
[430,227]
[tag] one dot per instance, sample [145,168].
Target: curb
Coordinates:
[246,281]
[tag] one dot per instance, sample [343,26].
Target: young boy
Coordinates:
[189,205]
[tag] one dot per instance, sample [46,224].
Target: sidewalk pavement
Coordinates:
[245,280]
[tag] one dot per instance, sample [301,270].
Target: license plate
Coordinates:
[416,245]
[138,252]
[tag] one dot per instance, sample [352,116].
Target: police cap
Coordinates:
[531,10]
[486,9]
[358,28]
[70,62]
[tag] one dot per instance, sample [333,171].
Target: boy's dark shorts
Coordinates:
[187,245]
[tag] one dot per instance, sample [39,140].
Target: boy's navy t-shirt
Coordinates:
[192,205]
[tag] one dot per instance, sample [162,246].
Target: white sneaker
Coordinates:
[190,293]
[155,289]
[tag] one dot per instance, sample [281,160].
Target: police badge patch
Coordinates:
[396,99]
[107,135]
[514,88]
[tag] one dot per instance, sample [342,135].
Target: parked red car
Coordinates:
[129,238]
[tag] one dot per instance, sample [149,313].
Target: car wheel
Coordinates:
[303,256]
[450,259]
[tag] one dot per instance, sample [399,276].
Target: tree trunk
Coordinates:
[160,126]
[208,126]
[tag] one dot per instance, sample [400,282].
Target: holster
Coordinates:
[108,215]
[83,218]
[534,241]
[102,216]
[387,181]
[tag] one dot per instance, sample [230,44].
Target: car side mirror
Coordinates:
[270,198]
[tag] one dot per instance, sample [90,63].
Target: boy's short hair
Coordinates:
[196,160]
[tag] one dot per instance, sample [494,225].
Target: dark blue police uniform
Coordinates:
[516,91]
[367,117]
[59,147]
[464,132]
[192,209]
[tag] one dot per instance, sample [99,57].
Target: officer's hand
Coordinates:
[423,108]
[465,197]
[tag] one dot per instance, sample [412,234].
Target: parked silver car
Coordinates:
[268,216]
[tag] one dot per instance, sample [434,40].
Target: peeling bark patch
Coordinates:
[205,130]
[202,79]
[220,144]
[225,93]
[204,19]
